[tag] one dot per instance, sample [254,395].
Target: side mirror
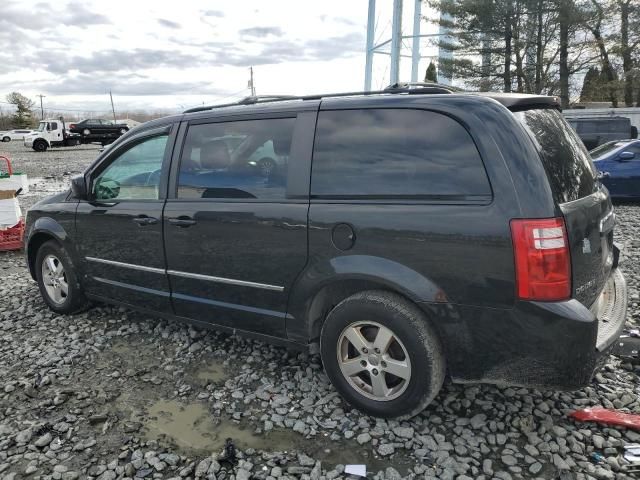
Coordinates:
[627,156]
[79,187]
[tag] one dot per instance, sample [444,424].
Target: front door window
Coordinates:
[135,174]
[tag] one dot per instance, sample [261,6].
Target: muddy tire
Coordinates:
[57,280]
[382,355]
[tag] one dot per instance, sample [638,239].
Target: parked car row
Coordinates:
[55,133]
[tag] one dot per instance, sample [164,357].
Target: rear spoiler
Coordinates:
[517,102]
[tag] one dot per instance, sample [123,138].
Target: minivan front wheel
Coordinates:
[57,280]
[382,355]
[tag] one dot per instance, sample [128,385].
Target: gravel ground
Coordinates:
[115,394]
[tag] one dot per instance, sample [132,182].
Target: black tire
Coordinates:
[416,337]
[6,139]
[40,146]
[75,300]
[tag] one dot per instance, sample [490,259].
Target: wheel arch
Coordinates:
[46,229]
[314,298]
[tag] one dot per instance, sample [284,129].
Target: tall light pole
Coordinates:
[415,48]
[396,41]
[371,26]
[41,107]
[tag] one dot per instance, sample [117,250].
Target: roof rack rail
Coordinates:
[419,87]
[407,88]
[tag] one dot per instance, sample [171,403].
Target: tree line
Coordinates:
[545,46]
[24,113]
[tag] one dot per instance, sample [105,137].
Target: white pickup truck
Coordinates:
[51,133]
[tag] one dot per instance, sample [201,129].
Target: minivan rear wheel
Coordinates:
[382,355]
[57,279]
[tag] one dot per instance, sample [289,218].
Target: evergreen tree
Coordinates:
[23,116]
[590,85]
[432,74]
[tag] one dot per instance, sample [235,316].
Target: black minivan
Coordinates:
[409,235]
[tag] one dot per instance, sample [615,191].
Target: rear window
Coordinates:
[566,161]
[395,153]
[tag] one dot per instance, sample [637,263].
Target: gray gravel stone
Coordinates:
[44,440]
[386,449]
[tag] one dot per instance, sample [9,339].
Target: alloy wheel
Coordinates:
[374,360]
[55,279]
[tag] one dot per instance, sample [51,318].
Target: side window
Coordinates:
[635,149]
[245,159]
[134,174]
[394,153]
[54,126]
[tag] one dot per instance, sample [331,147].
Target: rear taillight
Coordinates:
[543,264]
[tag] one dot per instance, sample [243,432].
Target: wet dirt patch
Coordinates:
[191,427]
[211,372]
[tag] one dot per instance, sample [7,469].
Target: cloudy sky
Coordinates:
[172,55]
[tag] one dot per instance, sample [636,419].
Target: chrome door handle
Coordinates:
[182,222]
[143,220]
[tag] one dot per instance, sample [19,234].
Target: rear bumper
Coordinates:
[611,311]
[534,344]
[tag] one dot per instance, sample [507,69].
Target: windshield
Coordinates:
[605,149]
[42,127]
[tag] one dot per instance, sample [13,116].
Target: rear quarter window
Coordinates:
[395,153]
[566,161]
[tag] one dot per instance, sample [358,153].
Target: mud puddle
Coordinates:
[211,371]
[191,427]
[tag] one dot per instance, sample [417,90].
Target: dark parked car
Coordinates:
[407,235]
[98,131]
[595,131]
[619,166]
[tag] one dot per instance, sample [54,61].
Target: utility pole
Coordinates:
[251,84]
[112,108]
[41,107]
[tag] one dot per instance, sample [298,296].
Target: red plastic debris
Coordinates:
[609,417]
[12,237]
